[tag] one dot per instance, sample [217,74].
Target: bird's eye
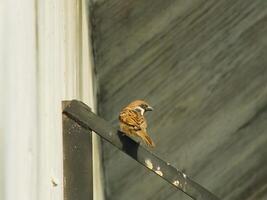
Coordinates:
[144,106]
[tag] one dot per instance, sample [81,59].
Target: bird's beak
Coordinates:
[149,108]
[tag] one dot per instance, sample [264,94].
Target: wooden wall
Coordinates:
[202,64]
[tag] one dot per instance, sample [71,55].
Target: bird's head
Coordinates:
[140,106]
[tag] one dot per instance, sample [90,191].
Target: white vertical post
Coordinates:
[88,95]
[19,94]
[45,57]
[51,22]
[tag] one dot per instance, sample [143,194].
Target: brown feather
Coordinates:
[131,118]
[133,123]
[146,138]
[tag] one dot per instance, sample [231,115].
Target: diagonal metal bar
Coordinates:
[82,114]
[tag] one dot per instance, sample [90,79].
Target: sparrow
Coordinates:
[133,122]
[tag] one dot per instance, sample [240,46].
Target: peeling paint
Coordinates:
[149,164]
[54,182]
[176,183]
[159,172]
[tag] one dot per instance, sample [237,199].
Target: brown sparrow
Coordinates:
[133,122]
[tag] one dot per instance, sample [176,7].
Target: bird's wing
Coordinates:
[147,139]
[132,118]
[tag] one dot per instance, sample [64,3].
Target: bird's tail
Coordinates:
[149,142]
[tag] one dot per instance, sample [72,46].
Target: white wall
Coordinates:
[45,58]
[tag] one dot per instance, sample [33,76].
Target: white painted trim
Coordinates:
[47,59]
[88,95]
[19,106]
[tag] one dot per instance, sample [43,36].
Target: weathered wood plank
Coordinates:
[82,115]
[77,160]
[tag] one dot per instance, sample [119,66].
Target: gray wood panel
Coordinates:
[202,64]
[77,159]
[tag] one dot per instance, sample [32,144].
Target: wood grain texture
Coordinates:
[202,65]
